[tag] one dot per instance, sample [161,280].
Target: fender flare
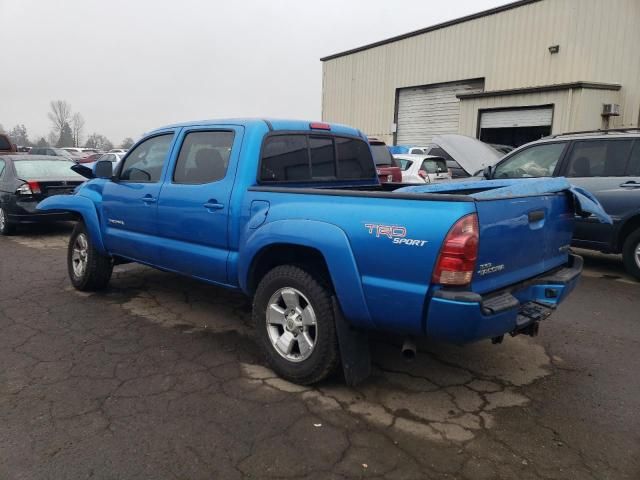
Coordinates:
[332,243]
[82,206]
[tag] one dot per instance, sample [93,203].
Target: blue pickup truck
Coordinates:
[292,214]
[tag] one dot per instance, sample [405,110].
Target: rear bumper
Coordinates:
[24,211]
[463,317]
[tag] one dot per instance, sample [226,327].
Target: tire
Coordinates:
[6,227]
[298,337]
[88,269]
[631,254]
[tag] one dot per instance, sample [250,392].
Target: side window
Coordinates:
[2,168]
[536,161]
[404,164]
[144,163]
[634,162]
[599,158]
[285,158]
[354,159]
[204,157]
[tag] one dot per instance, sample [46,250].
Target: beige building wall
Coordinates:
[598,42]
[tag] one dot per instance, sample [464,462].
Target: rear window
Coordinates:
[382,156]
[44,169]
[300,158]
[599,158]
[434,165]
[634,162]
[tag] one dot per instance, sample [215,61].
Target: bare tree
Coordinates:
[77,126]
[127,143]
[60,115]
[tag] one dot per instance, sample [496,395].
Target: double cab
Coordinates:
[292,214]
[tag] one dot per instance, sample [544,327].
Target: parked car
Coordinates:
[292,214]
[6,147]
[120,151]
[52,152]
[386,167]
[607,164]
[422,168]
[27,179]
[465,156]
[91,158]
[408,150]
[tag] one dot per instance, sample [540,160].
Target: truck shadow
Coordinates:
[446,393]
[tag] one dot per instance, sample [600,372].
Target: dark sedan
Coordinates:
[27,179]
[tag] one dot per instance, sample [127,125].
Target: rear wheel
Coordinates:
[6,227]
[294,320]
[88,269]
[631,254]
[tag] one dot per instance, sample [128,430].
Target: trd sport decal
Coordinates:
[395,233]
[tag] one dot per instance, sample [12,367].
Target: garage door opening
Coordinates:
[515,127]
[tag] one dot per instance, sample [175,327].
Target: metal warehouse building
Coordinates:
[507,75]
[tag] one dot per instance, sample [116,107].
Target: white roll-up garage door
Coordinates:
[522,117]
[427,111]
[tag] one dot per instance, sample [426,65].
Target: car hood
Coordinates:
[472,154]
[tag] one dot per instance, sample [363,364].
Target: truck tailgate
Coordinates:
[521,238]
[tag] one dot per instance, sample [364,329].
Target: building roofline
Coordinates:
[449,23]
[540,89]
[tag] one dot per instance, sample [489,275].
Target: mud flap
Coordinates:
[354,349]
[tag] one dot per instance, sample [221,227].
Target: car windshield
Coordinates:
[382,156]
[45,169]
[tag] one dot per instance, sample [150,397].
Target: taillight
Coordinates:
[458,254]
[29,188]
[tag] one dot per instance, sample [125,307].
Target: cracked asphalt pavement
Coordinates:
[159,377]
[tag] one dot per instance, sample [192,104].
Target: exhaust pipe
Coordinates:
[408,349]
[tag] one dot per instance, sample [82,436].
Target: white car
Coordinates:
[422,168]
[119,151]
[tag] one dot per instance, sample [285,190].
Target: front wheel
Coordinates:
[294,320]
[631,254]
[88,269]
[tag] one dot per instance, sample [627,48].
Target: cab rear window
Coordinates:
[305,158]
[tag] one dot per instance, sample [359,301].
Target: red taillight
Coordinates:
[319,126]
[29,188]
[458,254]
[423,174]
[34,186]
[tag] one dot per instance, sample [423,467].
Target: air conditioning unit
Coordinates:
[610,110]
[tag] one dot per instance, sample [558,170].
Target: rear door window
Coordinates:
[382,156]
[599,158]
[535,161]
[204,157]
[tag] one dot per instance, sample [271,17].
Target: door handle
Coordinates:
[631,184]
[536,216]
[212,205]
[149,199]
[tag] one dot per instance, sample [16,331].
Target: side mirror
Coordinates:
[103,169]
[488,172]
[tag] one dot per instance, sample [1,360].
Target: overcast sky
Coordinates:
[133,65]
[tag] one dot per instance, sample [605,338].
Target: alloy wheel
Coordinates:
[80,255]
[291,324]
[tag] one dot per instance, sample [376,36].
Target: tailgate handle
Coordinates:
[536,216]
